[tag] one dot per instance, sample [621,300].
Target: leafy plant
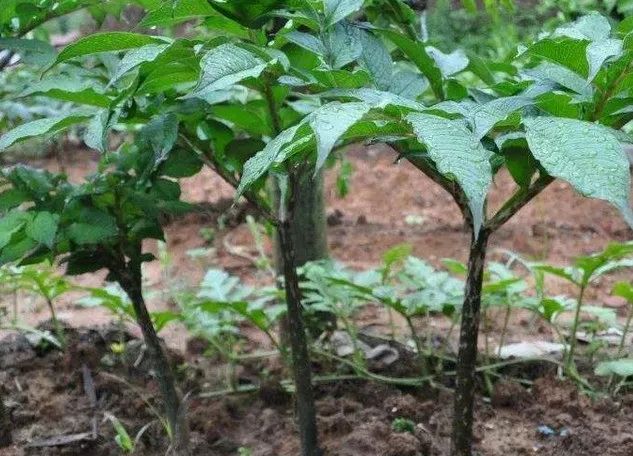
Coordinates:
[553,114]
[403,425]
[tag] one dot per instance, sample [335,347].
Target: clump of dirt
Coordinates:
[58,400]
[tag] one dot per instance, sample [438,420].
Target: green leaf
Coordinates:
[40,127]
[592,27]
[485,116]
[30,51]
[160,135]
[257,166]
[137,57]
[562,76]
[341,45]
[43,228]
[171,13]
[106,42]
[620,367]
[337,10]
[68,88]
[568,52]
[376,59]
[226,65]
[457,154]
[449,64]
[181,163]
[624,290]
[330,122]
[586,155]
[420,57]
[598,52]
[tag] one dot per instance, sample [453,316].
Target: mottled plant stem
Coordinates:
[131,282]
[467,355]
[306,412]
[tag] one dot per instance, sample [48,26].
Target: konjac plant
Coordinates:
[262,92]
[556,111]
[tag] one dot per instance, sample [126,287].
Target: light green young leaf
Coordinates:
[624,290]
[337,10]
[226,65]
[41,127]
[586,155]
[106,42]
[457,154]
[330,122]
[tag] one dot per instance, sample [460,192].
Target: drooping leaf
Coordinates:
[330,122]
[586,155]
[457,154]
[376,59]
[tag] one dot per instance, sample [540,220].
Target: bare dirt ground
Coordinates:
[46,391]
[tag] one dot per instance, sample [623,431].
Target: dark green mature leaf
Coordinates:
[420,57]
[337,10]
[40,127]
[181,163]
[341,45]
[330,122]
[586,155]
[457,154]
[106,42]
[160,135]
[43,228]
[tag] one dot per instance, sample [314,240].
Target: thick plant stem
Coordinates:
[467,355]
[306,413]
[5,425]
[176,416]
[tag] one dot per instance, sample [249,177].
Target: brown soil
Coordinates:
[49,397]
